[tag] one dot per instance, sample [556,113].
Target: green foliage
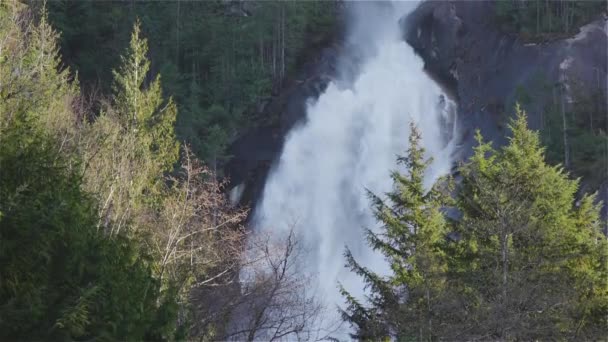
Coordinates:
[539,20]
[101,238]
[132,143]
[411,239]
[522,235]
[62,278]
[175,215]
[528,264]
[143,110]
[233,52]
[582,122]
[579,116]
[32,83]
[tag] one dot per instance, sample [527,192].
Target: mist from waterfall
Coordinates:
[349,143]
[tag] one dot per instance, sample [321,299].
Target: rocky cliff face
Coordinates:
[256,150]
[484,68]
[481,67]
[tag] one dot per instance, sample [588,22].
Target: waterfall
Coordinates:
[349,143]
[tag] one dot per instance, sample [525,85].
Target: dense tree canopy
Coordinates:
[114,223]
[539,20]
[109,229]
[532,256]
[217,58]
[525,260]
[61,277]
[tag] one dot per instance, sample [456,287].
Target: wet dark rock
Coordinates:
[478,66]
[483,67]
[255,151]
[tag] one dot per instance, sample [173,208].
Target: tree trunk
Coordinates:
[537,17]
[605,199]
[550,13]
[261,52]
[215,209]
[274,57]
[566,16]
[505,272]
[428,314]
[565,129]
[282,43]
[177,37]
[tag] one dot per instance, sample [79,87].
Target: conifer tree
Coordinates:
[61,278]
[404,305]
[142,108]
[132,143]
[33,83]
[531,262]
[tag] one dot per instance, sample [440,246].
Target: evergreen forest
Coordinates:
[116,224]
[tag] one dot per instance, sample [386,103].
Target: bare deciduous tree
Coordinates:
[276,303]
[274,299]
[198,234]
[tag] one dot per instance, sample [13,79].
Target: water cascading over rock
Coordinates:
[349,143]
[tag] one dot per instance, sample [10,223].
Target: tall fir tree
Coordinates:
[406,304]
[61,278]
[531,263]
[132,143]
[30,64]
[141,107]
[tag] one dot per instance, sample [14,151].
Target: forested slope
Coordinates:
[115,225]
[218,59]
[110,228]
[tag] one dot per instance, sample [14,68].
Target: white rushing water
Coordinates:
[349,143]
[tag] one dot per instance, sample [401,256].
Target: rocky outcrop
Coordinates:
[255,151]
[484,67]
[480,66]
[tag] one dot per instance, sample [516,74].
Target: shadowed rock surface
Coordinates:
[483,67]
[254,152]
